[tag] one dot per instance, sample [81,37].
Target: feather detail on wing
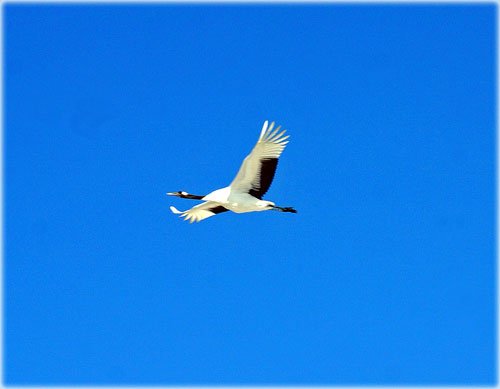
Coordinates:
[257,171]
[200,211]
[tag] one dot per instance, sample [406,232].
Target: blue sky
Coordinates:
[385,276]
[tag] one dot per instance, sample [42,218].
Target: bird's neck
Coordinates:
[191,196]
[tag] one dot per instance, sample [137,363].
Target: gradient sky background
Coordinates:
[385,276]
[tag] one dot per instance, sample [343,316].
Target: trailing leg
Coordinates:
[284,209]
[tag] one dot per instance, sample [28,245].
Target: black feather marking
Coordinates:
[267,170]
[217,209]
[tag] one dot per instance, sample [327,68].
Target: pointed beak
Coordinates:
[171,194]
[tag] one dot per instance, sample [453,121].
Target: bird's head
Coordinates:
[178,194]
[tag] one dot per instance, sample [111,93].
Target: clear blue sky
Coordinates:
[385,276]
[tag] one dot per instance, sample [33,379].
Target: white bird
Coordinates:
[253,180]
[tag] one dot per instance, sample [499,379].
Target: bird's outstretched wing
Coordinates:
[258,168]
[200,211]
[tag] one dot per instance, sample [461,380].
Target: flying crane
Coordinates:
[251,183]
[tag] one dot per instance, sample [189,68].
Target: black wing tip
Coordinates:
[218,209]
[267,172]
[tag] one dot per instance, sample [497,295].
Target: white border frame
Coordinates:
[259,2]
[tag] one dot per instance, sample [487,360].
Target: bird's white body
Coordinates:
[245,193]
[238,202]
